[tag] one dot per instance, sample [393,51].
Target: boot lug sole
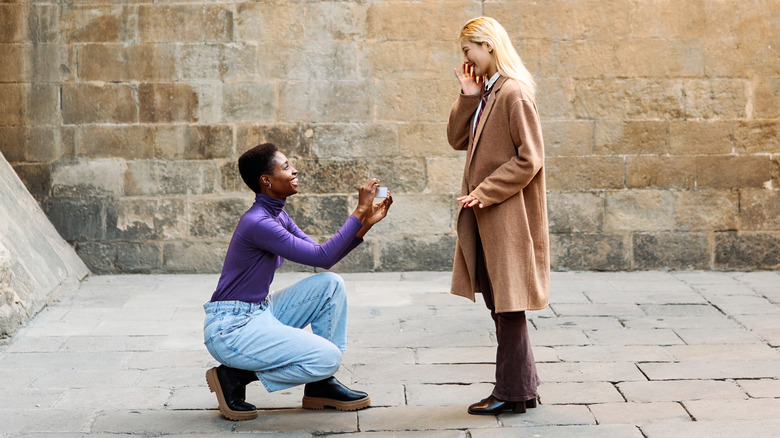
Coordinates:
[215,387]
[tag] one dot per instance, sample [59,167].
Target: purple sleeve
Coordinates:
[292,227]
[275,238]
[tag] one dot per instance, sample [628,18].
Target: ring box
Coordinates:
[381,192]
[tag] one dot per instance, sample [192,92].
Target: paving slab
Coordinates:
[654,354]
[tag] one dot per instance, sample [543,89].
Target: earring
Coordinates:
[269,186]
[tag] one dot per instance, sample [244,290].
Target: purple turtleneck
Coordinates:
[264,237]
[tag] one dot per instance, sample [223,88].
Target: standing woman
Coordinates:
[503,245]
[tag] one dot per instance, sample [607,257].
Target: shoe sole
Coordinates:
[215,387]
[319,403]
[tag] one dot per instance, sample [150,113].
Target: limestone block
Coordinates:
[669,20]
[775,171]
[765,97]
[216,218]
[128,257]
[706,210]
[336,21]
[417,215]
[639,210]
[399,175]
[757,136]
[15,19]
[146,219]
[660,172]
[436,253]
[36,144]
[715,98]
[13,143]
[83,177]
[206,23]
[200,257]
[46,26]
[581,59]
[660,58]
[575,212]
[205,142]
[555,97]
[584,173]
[330,101]
[153,177]
[567,138]
[127,62]
[130,141]
[630,137]
[105,103]
[730,172]
[445,174]
[734,56]
[331,176]
[268,22]
[361,259]
[628,98]
[42,104]
[524,19]
[15,67]
[36,177]
[166,103]
[706,137]
[230,179]
[420,60]
[221,61]
[248,102]
[318,215]
[759,210]
[52,62]
[578,251]
[740,251]
[425,140]
[293,140]
[77,219]
[661,250]
[423,101]
[98,23]
[433,21]
[304,61]
[11,104]
[341,140]
[743,20]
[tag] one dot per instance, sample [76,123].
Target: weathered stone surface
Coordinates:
[683,250]
[36,178]
[715,98]
[757,136]
[332,101]
[186,256]
[244,102]
[732,172]
[318,215]
[86,103]
[706,210]
[82,177]
[303,61]
[78,219]
[759,210]
[436,253]
[437,21]
[205,142]
[11,107]
[146,219]
[15,22]
[747,250]
[766,92]
[130,141]
[151,177]
[700,138]
[444,174]
[424,140]
[660,57]
[661,172]
[351,140]
[422,101]
[92,23]
[631,137]
[206,23]
[268,22]
[639,210]
[581,173]
[399,175]
[166,103]
[216,218]
[628,99]
[423,59]
[127,62]
[295,141]
[332,176]
[575,212]
[588,251]
[568,138]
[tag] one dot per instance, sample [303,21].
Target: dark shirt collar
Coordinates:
[273,205]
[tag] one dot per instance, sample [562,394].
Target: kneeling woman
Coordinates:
[258,335]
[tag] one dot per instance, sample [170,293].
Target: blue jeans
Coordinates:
[268,338]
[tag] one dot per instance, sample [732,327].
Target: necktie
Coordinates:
[485,96]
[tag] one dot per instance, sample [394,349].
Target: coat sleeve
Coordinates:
[458,125]
[514,175]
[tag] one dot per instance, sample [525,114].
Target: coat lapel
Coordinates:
[485,114]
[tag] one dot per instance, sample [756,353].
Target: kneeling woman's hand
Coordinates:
[367,211]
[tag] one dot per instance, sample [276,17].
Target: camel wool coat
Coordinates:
[505,172]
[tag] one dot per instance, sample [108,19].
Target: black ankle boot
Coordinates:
[331,392]
[230,386]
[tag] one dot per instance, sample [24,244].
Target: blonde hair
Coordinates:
[487,30]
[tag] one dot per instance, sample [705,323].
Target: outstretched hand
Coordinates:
[366,198]
[470,83]
[379,211]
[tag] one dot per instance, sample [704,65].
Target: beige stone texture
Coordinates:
[424,140]
[628,99]
[715,98]
[639,210]
[422,101]
[11,104]
[336,101]
[103,23]
[14,17]
[120,62]
[106,103]
[700,137]
[733,172]
[270,21]
[247,101]
[584,173]
[432,21]
[131,142]
[647,171]
[757,136]
[668,19]
[765,97]
[159,103]
[567,138]
[630,137]
[219,62]
[444,174]
[575,212]
[706,210]
[15,66]
[208,23]
[303,61]
[759,210]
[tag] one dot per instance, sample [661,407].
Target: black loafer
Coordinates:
[332,393]
[230,386]
[494,406]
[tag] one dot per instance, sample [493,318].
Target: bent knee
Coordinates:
[328,362]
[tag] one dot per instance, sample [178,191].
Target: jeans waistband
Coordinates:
[234,307]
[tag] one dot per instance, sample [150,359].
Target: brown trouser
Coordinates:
[516,377]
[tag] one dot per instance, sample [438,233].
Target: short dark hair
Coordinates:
[256,162]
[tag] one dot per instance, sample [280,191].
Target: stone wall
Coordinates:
[660,117]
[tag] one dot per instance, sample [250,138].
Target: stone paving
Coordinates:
[642,354]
